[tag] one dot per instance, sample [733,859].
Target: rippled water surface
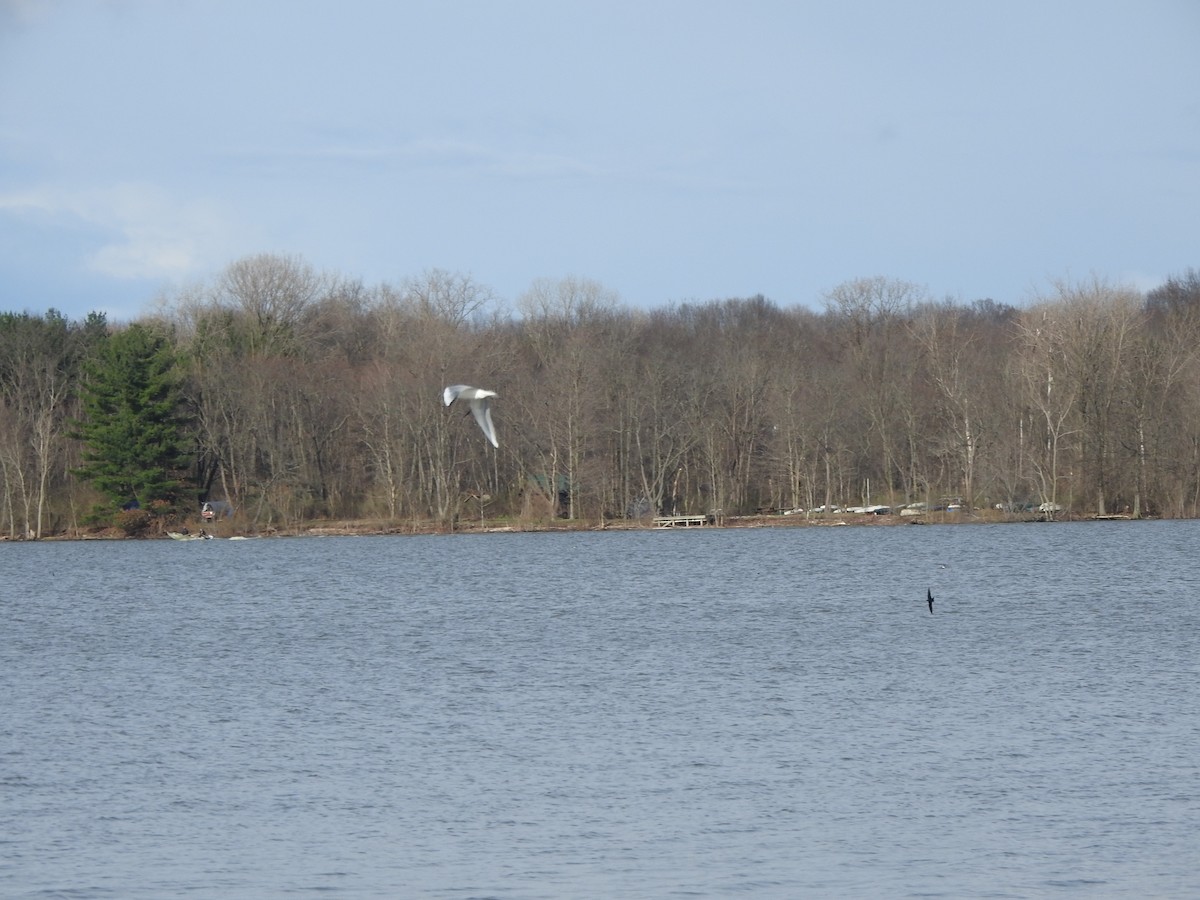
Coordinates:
[701,712]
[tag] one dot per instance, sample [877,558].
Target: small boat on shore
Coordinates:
[183,536]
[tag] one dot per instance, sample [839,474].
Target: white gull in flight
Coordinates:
[481,406]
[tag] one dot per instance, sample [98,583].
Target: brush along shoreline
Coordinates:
[369,527]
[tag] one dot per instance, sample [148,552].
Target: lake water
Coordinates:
[701,712]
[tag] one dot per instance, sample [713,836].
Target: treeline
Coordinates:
[297,396]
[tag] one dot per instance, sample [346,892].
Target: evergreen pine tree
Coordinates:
[133,431]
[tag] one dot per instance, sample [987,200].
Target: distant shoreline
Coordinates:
[369,528]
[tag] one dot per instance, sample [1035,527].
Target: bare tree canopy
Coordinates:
[309,396]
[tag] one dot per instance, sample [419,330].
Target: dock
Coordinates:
[679,521]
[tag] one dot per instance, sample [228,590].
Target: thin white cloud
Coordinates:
[446,154]
[144,232]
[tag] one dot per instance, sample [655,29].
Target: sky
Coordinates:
[671,150]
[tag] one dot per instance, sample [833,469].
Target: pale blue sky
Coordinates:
[672,151]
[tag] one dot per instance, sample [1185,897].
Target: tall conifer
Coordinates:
[133,429]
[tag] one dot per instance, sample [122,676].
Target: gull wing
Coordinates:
[482,409]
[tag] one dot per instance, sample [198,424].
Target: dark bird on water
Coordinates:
[929,598]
